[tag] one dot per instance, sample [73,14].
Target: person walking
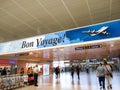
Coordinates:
[57,71]
[100,73]
[87,69]
[108,75]
[72,71]
[78,71]
[36,71]
[58,68]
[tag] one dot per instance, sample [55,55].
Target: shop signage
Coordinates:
[88,47]
[7,62]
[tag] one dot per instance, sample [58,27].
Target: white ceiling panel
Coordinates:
[79,11]
[59,13]
[26,18]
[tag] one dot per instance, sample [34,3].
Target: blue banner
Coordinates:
[95,32]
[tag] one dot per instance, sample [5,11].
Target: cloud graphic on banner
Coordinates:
[76,41]
[10,46]
[54,39]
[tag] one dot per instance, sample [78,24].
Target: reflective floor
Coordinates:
[65,82]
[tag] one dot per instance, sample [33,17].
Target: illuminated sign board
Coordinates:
[88,47]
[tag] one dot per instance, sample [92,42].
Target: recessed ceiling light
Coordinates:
[112,45]
[31,53]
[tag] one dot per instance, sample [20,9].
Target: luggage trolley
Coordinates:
[2,86]
[25,79]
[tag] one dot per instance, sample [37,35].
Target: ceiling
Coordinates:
[25,18]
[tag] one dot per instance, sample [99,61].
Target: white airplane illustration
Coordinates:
[102,30]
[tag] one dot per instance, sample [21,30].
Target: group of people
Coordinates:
[104,71]
[73,69]
[32,72]
[3,71]
[77,69]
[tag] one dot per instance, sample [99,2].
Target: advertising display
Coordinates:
[106,30]
[46,69]
[8,62]
[101,31]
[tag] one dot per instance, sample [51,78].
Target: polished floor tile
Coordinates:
[65,82]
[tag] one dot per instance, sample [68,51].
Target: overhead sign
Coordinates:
[88,47]
[106,30]
[22,54]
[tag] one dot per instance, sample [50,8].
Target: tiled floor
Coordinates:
[86,82]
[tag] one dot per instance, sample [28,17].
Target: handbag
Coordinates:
[111,75]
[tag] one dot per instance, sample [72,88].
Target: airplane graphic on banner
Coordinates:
[102,30]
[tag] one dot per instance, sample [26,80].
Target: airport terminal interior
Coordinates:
[59,35]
